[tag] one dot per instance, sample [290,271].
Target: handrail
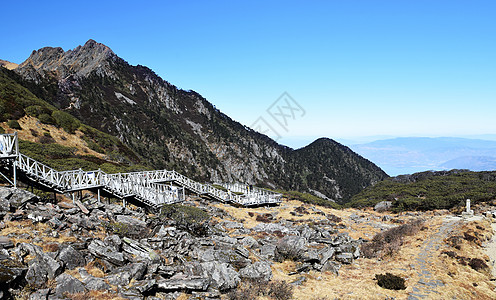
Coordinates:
[143,185]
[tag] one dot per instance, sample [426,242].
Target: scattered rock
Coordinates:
[184,283]
[71,258]
[99,249]
[223,276]
[291,247]
[383,206]
[68,284]
[259,270]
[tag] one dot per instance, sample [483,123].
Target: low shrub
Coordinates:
[14,124]
[254,289]
[388,242]
[390,281]
[478,264]
[66,121]
[191,219]
[265,218]
[280,290]
[46,119]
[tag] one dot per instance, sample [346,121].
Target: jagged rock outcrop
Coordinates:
[171,128]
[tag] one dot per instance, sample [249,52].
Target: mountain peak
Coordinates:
[80,61]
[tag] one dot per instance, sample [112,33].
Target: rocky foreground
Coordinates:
[62,250]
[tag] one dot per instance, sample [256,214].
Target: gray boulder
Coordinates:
[40,295]
[222,275]
[36,275]
[190,283]
[68,284]
[345,258]
[259,270]
[71,258]
[19,198]
[331,266]
[10,270]
[96,284]
[383,206]
[291,247]
[99,249]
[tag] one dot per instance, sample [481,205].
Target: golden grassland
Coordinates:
[357,281]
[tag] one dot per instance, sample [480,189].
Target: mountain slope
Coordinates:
[57,138]
[176,129]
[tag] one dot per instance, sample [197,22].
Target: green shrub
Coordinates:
[121,229]
[390,281]
[66,121]
[191,219]
[14,124]
[2,130]
[46,119]
[36,110]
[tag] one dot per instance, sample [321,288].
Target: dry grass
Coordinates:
[94,295]
[36,230]
[95,267]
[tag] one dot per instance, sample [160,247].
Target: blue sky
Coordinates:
[356,68]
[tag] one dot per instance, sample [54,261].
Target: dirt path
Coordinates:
[491,251]
[426,284]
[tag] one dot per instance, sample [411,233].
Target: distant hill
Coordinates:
[170,128]
[474,163]
[415,154]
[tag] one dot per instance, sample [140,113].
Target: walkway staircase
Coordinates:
[146,187]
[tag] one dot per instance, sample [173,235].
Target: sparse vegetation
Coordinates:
[253,289]
[388,242]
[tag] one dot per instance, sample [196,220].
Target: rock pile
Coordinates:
[61,249]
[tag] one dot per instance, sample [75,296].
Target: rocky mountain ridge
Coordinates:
[175,129]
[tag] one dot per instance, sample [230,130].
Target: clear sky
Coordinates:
[355,68]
